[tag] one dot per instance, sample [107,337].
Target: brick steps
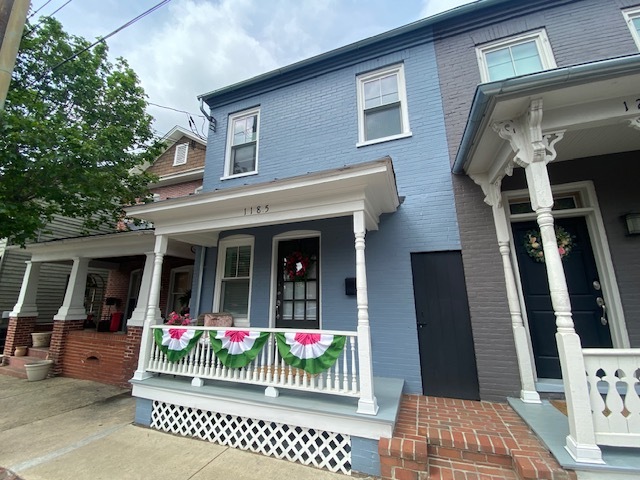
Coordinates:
[15,366]
[438,438]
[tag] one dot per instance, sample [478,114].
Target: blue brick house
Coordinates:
[338,164]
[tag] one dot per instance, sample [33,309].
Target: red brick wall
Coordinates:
[131,352]
[62,329]
[19,333]
[178,190]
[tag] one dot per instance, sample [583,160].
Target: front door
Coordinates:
[585,294]
[298,284]
[447,354]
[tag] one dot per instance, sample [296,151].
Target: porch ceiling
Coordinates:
[592,103]
[108,246]
[369,187]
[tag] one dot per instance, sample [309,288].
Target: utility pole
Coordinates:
[13,15]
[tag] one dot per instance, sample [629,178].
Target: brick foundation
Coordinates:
[61,330]
[131,352]
[19,333]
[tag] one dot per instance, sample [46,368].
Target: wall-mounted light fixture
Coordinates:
[633,223]
[350,286]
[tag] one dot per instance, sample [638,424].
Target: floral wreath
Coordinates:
[296,265]
[533,243]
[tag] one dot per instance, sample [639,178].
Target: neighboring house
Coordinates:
[548,142]
[96,304]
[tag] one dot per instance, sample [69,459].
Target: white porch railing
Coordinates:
[267,369]
[613,377]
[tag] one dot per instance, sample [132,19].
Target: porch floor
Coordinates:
[552,427]
[444,438]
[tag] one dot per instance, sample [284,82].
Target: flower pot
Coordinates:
[41,339]
[20,351]
[38,370]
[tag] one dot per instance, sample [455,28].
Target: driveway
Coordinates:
[62,428]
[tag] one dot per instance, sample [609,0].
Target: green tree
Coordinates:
[73,137]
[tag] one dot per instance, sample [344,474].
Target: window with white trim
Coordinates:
[382,106]
[180,157]
[233,279]
[515,56]
[632,17]
[242,144]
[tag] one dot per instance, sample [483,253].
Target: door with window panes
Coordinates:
[298,285]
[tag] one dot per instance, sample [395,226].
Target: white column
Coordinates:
[140,313]
[26,305]
[152,318]
[73,305]
[533,151]
[367,403]
[493,197]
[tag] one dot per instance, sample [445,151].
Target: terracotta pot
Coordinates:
[20,351]
[41,339]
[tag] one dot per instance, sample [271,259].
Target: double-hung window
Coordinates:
[515,56]
[242,143]
[382,106]
[632,16]
[233,286]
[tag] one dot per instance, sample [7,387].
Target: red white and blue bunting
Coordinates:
[312,352]
[237,348]
[176,343]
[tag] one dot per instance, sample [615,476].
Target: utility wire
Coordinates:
[102,39]
[44,18]
[45,4]
[174,109]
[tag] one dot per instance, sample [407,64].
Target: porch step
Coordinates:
[39,352]
[13,372]
[19,362]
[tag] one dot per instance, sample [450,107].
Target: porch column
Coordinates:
[367,403]
[146,344]
[528,393]
[23,317]
[533,152]
[139,314]
[73,305]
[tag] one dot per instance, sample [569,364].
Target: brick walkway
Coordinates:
[443,438]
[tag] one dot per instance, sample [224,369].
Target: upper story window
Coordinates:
[382,106]
[180,158]
[515,56]
[632,16]
[242,144]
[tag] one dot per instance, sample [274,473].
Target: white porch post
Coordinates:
[493,197]
[140,313]
[73,305]
[533,152]
[151,318]
[26,305]
[367,403]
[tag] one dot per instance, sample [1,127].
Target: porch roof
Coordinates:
[592,103]
[368,187]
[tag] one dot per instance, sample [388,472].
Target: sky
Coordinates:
[190,47]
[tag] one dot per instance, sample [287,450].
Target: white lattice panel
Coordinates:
[322,449]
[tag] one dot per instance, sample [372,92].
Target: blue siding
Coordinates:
[364,456]
[312,126]
[143,412]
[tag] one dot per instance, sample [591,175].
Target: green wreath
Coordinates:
[533,243]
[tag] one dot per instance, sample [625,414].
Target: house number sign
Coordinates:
[632,105]
[257,209]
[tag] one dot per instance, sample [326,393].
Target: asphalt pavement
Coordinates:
[62,428]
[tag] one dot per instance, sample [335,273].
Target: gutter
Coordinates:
[487,93]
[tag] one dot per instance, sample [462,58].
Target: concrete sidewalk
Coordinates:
[62,428]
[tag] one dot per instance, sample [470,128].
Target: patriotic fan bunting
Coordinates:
[237,348]
[312,352]
[176,343]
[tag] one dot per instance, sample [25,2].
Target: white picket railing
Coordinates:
[614,383]
[267,369]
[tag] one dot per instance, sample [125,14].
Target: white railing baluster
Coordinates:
[345,369]
[354,367]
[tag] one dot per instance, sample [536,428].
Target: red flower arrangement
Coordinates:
[178,320]
[296,265]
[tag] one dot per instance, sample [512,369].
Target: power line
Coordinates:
[175,109]
[48,16]
[45,4]
[102,39]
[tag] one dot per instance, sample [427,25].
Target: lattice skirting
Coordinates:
[322,449]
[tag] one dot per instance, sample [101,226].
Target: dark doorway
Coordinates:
[298,298]
[447,353]
[583,283]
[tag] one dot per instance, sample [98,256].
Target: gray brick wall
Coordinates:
[576,34]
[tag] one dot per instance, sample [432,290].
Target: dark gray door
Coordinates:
[584,290]
[447,353]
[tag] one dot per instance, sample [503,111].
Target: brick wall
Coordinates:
[178,190]
[61,332]
[19,333]
[164,164]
